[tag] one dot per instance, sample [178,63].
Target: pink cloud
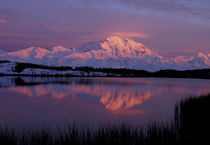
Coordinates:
[3,21]
[131,34]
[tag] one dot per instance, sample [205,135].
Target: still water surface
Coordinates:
[94,101]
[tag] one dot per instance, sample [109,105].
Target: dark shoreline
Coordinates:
[109,76]
[20,80]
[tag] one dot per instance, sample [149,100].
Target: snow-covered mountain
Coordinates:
[113,52]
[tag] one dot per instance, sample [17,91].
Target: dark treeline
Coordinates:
[197,73]
[116,72]
[190,127]
[21,66]
[123,72]
[4,61]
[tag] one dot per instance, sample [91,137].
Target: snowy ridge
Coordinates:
[113,52]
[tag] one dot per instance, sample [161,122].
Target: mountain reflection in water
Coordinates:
[94,99]
[113,97]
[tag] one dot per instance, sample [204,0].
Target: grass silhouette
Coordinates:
[190,126]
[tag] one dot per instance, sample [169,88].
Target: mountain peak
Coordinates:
[114,38]
[126,48]
[60,49]
[27,53]
[204,57]
[118,40]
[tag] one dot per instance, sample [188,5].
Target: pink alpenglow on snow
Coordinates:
[113,52]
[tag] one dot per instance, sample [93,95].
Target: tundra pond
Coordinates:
[94,101]
[94,111]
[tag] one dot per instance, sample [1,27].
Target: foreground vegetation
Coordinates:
[190,127]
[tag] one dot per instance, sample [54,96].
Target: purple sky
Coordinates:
[171,28]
